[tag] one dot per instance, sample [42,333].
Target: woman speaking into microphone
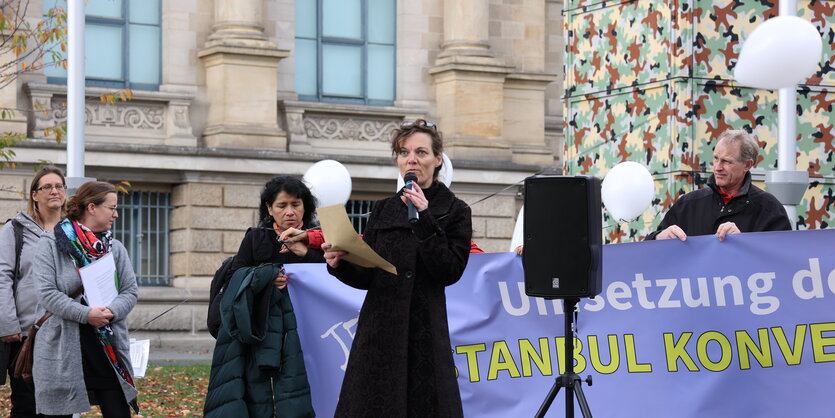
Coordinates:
[400,362]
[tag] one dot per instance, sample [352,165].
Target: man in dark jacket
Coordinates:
[731,204]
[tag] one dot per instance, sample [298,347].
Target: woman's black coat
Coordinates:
[401,359]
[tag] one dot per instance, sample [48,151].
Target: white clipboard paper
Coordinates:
[99,279]
[139,351]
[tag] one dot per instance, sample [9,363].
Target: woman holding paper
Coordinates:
[400,362]
[235,390]
[18,296]
[80,348]
[286,203]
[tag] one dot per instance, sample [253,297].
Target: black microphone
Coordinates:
[409,179]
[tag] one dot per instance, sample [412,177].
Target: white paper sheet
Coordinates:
[139,351]
[99,279]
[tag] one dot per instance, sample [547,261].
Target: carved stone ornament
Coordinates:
[145,116]
[348,128]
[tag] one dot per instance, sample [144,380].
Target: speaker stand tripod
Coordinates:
[570,381]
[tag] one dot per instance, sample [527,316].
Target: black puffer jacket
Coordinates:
[700,212]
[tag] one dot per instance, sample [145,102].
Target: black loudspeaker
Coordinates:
[563,237]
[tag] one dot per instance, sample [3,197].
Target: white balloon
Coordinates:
[518,231]
[329,181]
[444,176]
[627,190]
[781,52]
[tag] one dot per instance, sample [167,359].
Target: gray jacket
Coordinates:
[57,368]
[17,311]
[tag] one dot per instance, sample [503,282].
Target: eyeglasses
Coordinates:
[113,209]
[50,187]
[420,122]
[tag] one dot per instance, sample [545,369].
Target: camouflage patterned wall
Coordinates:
[651,81]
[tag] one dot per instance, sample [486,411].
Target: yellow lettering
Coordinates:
[792,354]
[675,350]
[529,355]
[614,355]
[500,360]
[724,344]
[472,361]
[819,342]
[761,351]
[579,360]
[632,365]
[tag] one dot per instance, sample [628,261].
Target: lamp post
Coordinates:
[787,184]
[75,95]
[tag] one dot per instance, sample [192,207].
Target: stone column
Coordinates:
[241,79]
[465,28]
[524,89]
[469,83]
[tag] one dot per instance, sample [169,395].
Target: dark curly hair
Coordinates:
[291,186]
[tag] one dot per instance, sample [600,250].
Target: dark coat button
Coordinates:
[410,274]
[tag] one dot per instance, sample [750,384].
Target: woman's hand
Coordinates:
[11,338]
[332,257]
[294,235]
[99,316]
[416,196]
[294,240]
[281,280]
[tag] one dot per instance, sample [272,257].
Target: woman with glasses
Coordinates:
[247,378]
[18,297]
[83,349]
[400,362]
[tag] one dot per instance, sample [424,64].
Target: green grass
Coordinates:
[165,391]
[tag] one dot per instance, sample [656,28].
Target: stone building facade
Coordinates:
[221,105]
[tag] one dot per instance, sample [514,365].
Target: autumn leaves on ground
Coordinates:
[166,391]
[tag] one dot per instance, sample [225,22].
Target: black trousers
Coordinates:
[23,392]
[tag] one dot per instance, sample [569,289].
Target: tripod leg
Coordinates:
[581,398]
[549,399]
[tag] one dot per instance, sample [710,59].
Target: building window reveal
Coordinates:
[345,51]
[122,43]
[143,227]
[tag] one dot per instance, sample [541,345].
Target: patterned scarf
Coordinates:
[80,243]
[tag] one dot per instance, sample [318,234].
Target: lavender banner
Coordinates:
[744,327]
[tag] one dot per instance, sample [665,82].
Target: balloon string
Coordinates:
[606,226]
[506,188]
[657,211]
[367,214]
